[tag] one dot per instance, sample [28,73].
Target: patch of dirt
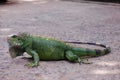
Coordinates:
[64,20]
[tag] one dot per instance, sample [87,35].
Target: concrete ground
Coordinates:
[65,20]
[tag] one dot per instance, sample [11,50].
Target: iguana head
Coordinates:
[15,44]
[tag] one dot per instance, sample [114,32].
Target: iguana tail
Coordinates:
[90,52]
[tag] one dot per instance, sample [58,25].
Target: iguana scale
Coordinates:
[41,48]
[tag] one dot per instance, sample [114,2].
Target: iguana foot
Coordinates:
[31,65]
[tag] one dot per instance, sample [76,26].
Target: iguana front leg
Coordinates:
[35,57]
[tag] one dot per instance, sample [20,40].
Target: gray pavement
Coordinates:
[65,20]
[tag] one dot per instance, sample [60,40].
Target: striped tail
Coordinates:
[90,52]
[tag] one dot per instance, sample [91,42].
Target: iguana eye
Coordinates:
[14,36]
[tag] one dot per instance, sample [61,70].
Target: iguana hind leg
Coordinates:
[74,58]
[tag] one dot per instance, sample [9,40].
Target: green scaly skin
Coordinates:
[41,48]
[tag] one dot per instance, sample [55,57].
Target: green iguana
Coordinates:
[41,48]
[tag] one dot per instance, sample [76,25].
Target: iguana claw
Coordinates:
[31,65]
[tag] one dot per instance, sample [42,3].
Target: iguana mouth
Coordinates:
[12,43]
